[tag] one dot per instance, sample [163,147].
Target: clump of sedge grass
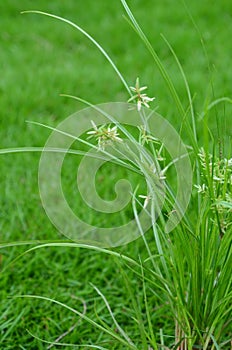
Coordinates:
[190,269]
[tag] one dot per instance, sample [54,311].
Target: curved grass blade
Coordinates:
[100,48]
[86,318]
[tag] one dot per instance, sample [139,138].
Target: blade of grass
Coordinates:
[132,21]
[86,318]
[100,48]
[119,328]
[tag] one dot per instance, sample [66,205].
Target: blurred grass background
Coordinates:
[41,58]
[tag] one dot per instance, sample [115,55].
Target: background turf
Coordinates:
[41,58]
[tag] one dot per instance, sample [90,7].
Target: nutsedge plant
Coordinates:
[190,267]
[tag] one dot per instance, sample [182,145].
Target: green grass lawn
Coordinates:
[41,58]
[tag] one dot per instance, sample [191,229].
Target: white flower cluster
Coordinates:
[104,135]
[220,169]
[217,175]
[142,99]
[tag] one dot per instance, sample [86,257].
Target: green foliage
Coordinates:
[166,289]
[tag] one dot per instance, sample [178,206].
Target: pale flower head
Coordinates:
[142,99]
[104,135]
[146,198]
